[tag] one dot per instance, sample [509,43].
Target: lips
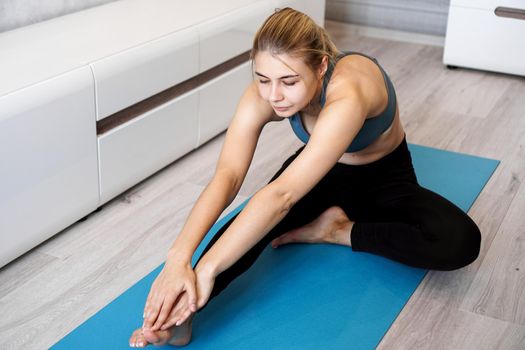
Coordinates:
[280,109]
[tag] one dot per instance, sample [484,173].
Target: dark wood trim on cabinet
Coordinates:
[139,108]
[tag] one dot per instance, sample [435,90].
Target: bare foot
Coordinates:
[137,339]
[176,335]
[332,226]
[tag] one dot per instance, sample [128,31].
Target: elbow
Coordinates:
[280,198]
[288,202]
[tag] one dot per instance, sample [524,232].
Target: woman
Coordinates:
[352,184]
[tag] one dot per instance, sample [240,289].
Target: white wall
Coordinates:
[420,16]
[19,13]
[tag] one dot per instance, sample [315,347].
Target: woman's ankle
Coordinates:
[342,235]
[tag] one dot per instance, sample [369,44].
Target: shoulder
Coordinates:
[358,78]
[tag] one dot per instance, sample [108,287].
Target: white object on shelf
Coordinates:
[487,35]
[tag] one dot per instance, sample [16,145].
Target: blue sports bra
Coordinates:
[372,128]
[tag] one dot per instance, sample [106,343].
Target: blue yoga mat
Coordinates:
[300,296]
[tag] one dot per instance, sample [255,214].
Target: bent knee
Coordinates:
[462,248]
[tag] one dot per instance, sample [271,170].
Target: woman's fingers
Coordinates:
[184,317]
[148,308]
[192,296]
[154,309]
[165,292]
[148,303]
[174,315]
[152,312]
[152,299]
[164,312]
[169,323]
[179,314]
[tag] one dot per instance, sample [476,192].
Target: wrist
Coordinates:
[206,267]
[179,258]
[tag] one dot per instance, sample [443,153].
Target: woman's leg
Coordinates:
[420,228]
[397,218]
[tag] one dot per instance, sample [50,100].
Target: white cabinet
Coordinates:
[135,74]
[486,34]
[218,100]
[140,147]
[231,34]
[48,172]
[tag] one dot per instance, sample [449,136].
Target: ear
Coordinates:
[323,67]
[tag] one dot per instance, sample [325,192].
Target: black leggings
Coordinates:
[394,217]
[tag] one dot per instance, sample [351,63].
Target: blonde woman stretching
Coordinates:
[352,184]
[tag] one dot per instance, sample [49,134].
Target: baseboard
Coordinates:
[389,34]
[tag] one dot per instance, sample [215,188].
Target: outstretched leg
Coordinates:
[311,206]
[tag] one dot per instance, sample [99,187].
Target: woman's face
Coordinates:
[286,82]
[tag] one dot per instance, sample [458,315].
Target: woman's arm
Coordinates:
[264,210]
[339,122]
[235,159]
[216,196]
[163,305]
[177,275]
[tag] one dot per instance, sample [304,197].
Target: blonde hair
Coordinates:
[288,31]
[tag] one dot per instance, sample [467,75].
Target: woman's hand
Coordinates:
[205,281]
[175,280]
[179,314]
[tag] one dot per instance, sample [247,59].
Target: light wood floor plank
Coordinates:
[16,274]
[498,289]
[433,325]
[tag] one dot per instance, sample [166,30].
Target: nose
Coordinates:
[275,93]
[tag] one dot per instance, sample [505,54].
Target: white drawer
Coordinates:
[140,147]
[48,156]
[231,34]
[479,39]
[218,100]
[133,75]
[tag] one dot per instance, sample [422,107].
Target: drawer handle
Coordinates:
[509,12]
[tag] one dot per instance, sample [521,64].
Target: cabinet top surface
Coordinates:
[40,51]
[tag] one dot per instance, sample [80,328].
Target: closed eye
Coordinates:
[292,83]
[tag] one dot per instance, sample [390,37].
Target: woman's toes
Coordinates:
[133,338]
[137,339]
[151,336]
[157,337]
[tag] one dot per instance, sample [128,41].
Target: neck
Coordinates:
[314,105]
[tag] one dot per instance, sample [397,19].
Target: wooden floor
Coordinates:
[55,287]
